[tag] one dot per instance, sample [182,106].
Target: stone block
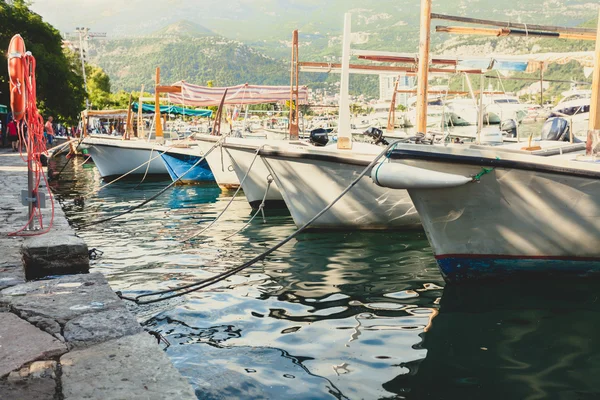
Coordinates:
[133,367]
[38,382]
[61,299]
[100,327]
[22,343]
[55,253]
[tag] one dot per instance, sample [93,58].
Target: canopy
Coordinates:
[202,96]
[149,108]
[105,113]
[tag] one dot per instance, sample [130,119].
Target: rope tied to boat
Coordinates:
[484,171]
[230,200]
[162,295]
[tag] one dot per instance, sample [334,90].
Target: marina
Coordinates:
[258,240]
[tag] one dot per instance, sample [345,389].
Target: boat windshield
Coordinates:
[506,101]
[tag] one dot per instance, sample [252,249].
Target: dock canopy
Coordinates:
[203,96]
[149,108]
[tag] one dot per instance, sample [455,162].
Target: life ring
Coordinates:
[16,73]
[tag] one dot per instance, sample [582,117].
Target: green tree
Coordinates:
[98,85]
[59,88]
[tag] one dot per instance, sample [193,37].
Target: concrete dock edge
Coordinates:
[70,336]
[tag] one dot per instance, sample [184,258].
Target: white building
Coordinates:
[386,87]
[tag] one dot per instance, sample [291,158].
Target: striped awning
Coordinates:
[203,96]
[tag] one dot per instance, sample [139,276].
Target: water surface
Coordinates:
[357,315]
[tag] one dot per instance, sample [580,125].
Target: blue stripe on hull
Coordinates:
[178,164]
[460,269]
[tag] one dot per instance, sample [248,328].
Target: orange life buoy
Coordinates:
[16,73]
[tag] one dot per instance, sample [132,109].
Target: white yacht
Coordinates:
[575,107]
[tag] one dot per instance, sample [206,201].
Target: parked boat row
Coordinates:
[488,208]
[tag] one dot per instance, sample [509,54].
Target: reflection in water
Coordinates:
[530,340]
[331,314]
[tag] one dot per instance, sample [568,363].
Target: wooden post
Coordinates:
[129,123]
[293,116]
[594,124]
[344,134]
[84,122]
[422,83]
[140,114]
[157,120]
[392,114]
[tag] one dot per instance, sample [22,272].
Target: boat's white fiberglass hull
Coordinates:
[219,161]
[518,214]
[117,157]
[256,182]
[310,179]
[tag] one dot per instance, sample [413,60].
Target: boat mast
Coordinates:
[594,124]
[157,119]
[140,116]
[344,135]
[422,82]
[391,124]
[294,90]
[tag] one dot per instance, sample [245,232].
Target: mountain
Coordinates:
[184,28]
[249,41]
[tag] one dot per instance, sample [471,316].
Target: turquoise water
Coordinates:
[357,315]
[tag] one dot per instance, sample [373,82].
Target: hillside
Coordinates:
[194,52]
[184,51]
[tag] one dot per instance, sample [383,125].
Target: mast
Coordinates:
[594,124]
[140,115]
[129,123]
[293,115]
[392,114]
[422,83]
[344,135]
[157,119]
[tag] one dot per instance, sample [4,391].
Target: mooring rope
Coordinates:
[143,203]
[230,200]
[261,209]
[195,286]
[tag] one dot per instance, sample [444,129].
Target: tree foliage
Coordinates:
[59,88]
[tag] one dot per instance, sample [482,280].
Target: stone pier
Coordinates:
[68,337]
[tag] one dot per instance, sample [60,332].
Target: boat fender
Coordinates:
[402,176]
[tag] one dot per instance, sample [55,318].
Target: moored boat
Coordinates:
[115,157]
[187,165]
[489,213]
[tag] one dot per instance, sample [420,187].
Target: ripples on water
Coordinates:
[331,314]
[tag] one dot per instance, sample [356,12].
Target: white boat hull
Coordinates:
[256,182]
[523,213]
[219,162]
[309,181]
[117,157]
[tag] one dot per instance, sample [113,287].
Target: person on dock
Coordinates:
[12,134]
[49,130]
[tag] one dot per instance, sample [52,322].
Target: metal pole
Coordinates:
[30,193]
[80,31]
[480,113]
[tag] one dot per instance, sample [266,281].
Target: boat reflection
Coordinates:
[529,340]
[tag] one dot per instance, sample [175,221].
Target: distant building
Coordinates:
[386,88]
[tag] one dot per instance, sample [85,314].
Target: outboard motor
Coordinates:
[557,129]
[319,136]
[377,135]
[509,126]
